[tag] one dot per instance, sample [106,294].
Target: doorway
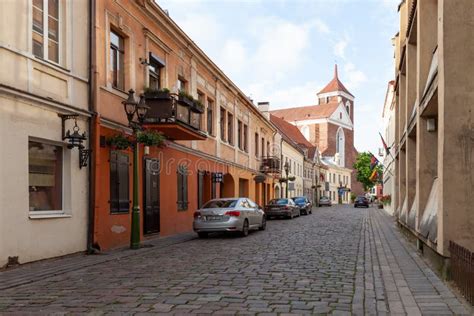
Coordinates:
[151,196]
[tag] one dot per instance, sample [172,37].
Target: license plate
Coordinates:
[213,218]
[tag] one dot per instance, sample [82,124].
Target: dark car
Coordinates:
[361,201]
[304,204]
[324,201]
[281,208]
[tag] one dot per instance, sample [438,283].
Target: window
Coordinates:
[256,145]
[181,84]
[46,29]
[263,147]
[246,138]
[222,123]
[340,115]
[117,61]
[182,188]
[230,128]
[210,119]
[240,142]
[119,182]
[268,149]
[154,71]
[45,173]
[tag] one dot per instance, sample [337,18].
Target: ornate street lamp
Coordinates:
[135,108]
[75,139]
[286,167]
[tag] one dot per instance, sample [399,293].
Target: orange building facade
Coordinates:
[215,147]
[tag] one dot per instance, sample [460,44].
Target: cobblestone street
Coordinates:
[338,260]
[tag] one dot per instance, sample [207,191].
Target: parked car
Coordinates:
[282,208]
[304,204]
[361,201]
[324,201]
[229,215]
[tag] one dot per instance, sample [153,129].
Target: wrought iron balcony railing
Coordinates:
[270,164]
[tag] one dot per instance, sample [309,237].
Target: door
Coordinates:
[151,196]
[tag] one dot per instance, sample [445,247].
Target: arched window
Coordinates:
[340,115]
[305,131]
[340,146]
[348,107]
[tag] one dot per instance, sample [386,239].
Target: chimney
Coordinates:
[264,107]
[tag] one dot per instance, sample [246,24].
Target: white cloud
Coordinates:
[340,48]
[295,95]
[353,76]
[233,57]
[321,26]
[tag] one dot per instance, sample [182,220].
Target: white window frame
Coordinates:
[46,31]
[51,213]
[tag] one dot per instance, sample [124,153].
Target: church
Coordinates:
[329,125]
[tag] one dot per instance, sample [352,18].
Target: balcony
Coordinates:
[270,165]
[177,117]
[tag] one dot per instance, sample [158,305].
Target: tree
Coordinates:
[362,165]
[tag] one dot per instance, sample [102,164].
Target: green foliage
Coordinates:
[149,90]
[353,197]
[119,141]
[386,199]
[362,165]
[184,94]
[151,138]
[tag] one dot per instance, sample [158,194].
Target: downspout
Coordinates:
[92,132]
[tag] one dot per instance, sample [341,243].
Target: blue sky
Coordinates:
[283,51]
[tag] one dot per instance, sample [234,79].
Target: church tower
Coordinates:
[335,91]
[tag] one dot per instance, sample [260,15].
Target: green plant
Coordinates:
[119,141]
[362,165]
[353,197]
[199,106]
[184,94]
[292,178]
[149,90]
[386,199]
[151,138]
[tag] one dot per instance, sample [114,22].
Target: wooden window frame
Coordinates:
[182,186]
[117,201]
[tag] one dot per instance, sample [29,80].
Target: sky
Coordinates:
[284,51]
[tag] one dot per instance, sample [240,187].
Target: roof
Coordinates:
[307,112]
[290,131]
[335,85]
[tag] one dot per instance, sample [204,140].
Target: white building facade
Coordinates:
[388,117]
[44,73]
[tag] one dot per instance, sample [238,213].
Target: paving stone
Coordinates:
[361,265]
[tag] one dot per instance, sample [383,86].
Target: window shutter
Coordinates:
[124,181]
[114,207]
[185,188]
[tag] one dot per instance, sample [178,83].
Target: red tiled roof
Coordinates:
[307,112]
[291,131]
[335,85]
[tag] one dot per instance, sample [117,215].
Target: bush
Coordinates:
[151,138]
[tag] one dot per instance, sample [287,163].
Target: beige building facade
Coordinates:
[434,96]
[44,71]
[388,160]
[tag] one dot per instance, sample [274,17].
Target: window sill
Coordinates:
[48,216]
[115,91]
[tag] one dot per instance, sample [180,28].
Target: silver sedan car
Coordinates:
[229,215]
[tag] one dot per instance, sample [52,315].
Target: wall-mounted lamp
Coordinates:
[75,139]
[431,125]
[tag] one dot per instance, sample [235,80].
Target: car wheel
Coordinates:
[264,223]
[203,235]
[245,229]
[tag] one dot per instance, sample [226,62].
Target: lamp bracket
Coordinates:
[64,118]
[84,155]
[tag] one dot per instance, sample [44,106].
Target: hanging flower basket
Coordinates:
[151,138]
[119,141]
[292,178]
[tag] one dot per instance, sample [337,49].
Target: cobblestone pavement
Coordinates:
[338,261]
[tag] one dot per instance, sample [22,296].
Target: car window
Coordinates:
[245,204]
[252,203]
[220,204]
[279,201]
[291,202]
[299,199]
